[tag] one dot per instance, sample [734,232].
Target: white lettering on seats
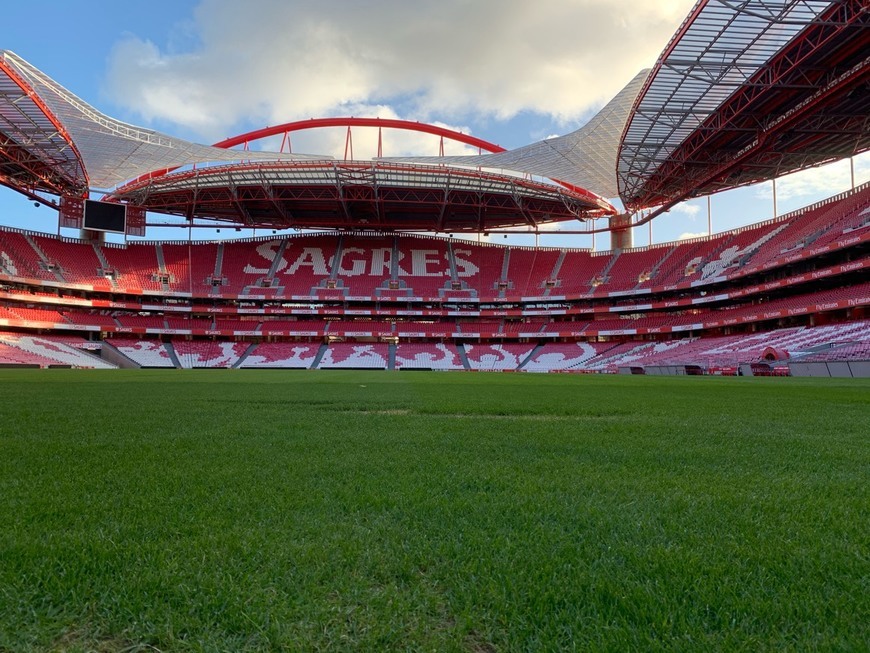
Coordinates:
[422,259]
[464,267]
[382,260]
[358,265]
[267,250]
[310,257]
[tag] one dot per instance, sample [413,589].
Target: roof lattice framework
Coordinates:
[748,90]
[35,152]
[89,148]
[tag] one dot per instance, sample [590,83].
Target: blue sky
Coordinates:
[508,71]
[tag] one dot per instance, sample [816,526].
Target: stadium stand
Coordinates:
[760,278]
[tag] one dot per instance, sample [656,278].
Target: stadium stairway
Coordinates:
[505,266]
[531,355]
[45,260]
[219,261]
[104,263]
[460,348]
[112,354]
[391,357]
[172,355]
[279,257]
[654,270]
[247,352]
[556,269]
[319,357]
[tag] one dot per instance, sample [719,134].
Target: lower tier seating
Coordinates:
[430,356]
[145,353]
[355,355]
[58,351]
[282,354]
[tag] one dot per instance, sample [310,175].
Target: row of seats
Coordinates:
[369,265]
[602,323]
[846,341]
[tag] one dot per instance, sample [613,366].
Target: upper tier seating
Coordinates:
[529,270]
[424,266]
[306,262]
[365,264]
[245,264]
[136,266]
[190,267]
[77,261]
[331,266]
[18,258]
[579,269]
[479,267]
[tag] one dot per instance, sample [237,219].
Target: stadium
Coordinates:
[230,452]
[375,275]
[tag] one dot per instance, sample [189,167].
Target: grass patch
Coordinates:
[296,510]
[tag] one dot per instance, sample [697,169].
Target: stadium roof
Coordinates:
[55,142]
[748,90]
[361,194]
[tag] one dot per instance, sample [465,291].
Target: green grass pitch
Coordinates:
[297,510]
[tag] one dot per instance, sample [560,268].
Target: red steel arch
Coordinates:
[388,123]
[350,121]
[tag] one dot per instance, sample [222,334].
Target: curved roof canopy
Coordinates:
[360,194]
[54,141]
[585,157]
[748,90]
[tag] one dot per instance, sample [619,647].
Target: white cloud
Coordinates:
[691,210]
[270,61]
[817,183]
[688,234]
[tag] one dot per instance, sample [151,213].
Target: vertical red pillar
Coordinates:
[620,231]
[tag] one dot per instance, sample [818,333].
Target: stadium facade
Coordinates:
[744,92]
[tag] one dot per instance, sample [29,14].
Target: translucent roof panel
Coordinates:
[36,153]
[736,84]
[584,158]
[112,151]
